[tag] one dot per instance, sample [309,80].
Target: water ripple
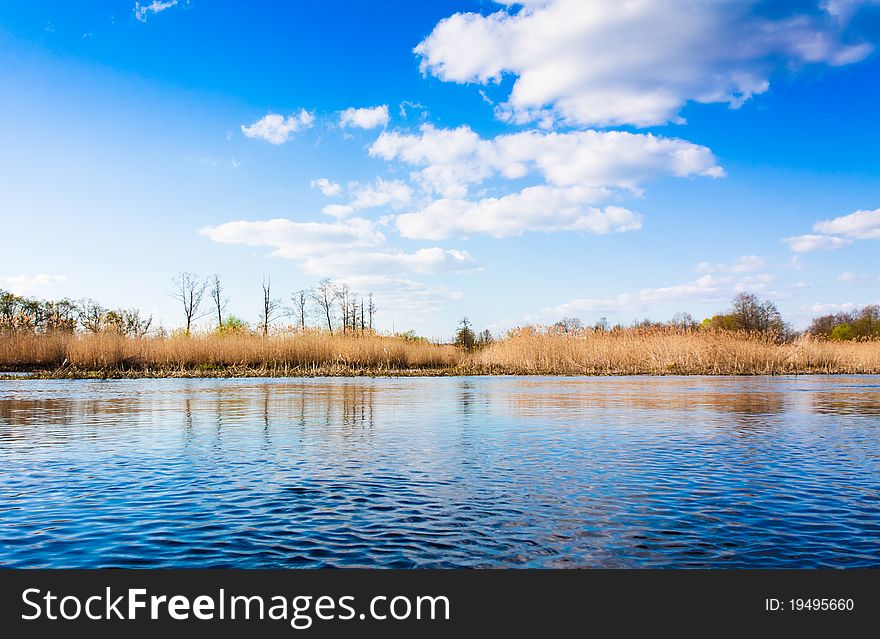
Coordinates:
[451,472]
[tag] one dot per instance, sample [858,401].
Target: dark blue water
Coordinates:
[442,472]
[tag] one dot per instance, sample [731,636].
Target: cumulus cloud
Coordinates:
[707,288]
[156,6]
[858,278]
[833,308]
[405,298]
[742,264]
[328,188]
[861,225]
[338,210]
[366,118]
[537,208]
[665,54]
[30,284]
[426,261]
[277,129]
[843,10]
[354,251]
[298,240]
[408,105]
[703,289]
[452,159]
[342,249]
[808,243]
[393,193]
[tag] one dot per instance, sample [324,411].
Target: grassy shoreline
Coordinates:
[373,374]
[529,351]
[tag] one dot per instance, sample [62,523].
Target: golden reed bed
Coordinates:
[523,352]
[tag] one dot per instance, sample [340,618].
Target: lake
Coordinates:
[441,472]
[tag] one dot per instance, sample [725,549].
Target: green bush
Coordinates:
[232,325]
[842,332]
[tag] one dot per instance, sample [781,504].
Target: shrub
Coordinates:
[842,331]
[232,325]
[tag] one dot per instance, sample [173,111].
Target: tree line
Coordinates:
[335,307]
[332,305]
[861,323]
[25,314]
[750,314]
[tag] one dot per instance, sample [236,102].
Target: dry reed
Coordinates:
[525,352]
[670,351]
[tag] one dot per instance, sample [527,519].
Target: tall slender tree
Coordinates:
[271,306]
[325,297]
[189,291]
[217,296]
[371,308]
[342,293]
[300,299]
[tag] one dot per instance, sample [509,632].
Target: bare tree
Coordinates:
[353,312]
[300,299]
[91,315]
[569,325]
[271,306]
[342,293]
[220,302]
[362,315]
[133,324]
[751,314]
[324,296]
[127,321]
[684,320]
[59,316]
[371,308]
[189,291]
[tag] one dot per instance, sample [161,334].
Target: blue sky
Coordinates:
[513,163]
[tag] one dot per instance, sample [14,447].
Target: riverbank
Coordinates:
[523,352]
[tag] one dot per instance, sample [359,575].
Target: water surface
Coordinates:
[441,472]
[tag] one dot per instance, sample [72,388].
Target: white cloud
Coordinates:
[30,284]
[367,118]
[536,208]
[353,251]
[276,129]
[424,261]
[861,278]
[338,210]
[298,240]
[703,289]
[406,105]
[861,225]
[405,299]
[759,284]
[342,249]
[156,6]
[742,264]
[833,308]
[328,188]
[665,54]
[843,10]
[808,243]
[393,193]
[453,159]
